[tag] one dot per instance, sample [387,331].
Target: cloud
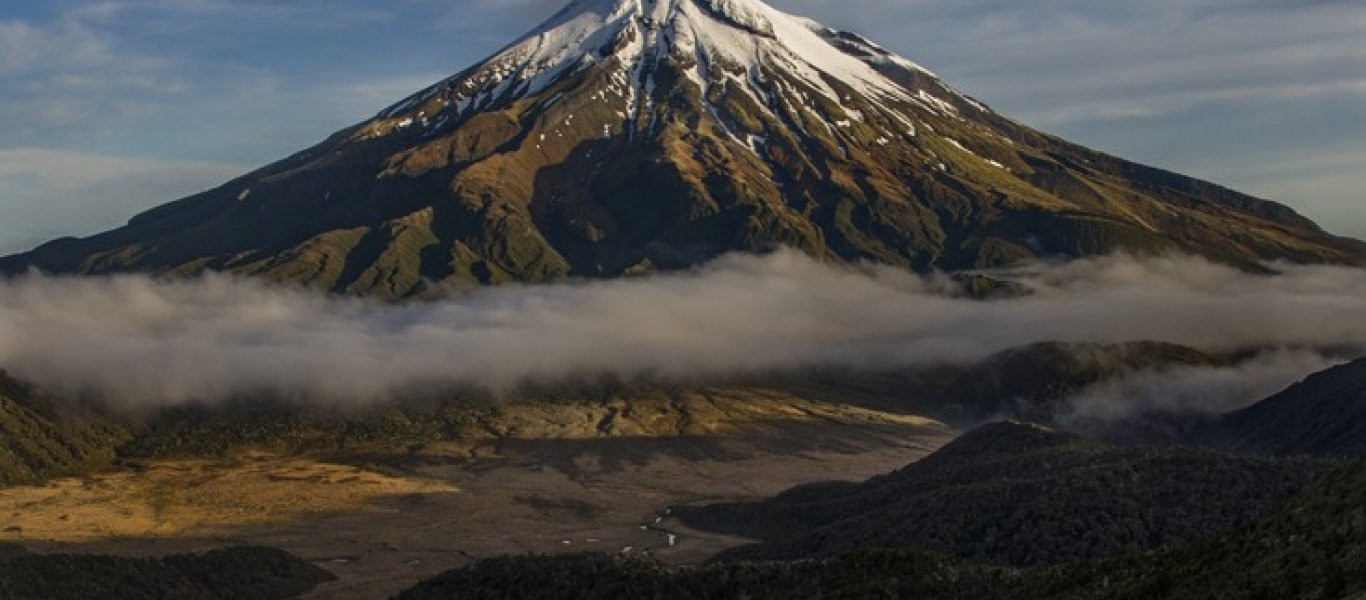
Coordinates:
[122,68]
[303,13]
[149,342]
[25,46]
[66,75]
[57,193]
[1198,390]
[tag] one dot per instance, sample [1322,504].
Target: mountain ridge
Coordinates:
[628,136]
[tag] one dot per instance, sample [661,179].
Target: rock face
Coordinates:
[623,136]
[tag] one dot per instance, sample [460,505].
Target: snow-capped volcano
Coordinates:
[624,136]
[734,39]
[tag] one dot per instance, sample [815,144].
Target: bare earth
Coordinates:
[382,523]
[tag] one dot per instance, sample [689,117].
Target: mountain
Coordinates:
[625,136]
[1314,548]
[1324,415]
[1018,494]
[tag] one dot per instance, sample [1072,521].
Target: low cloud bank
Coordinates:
[145,342]
[1195,390]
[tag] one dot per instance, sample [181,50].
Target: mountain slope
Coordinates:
[1324,415]
[1312,549]
[247,573]
[623,136]
[42,438]
[1013,493]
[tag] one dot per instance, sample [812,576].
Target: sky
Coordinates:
[109,107]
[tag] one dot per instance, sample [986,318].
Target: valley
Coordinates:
[382,522]
[703,478]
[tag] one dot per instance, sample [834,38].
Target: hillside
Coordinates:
[1312,549]
[622,137]
[1324,415]
[1315,547]
[884,574]
[41,437]
[1018,494]
[1035,382]
[404,425]
[235,573]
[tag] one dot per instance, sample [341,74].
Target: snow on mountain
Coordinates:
[629,136]
[737,40]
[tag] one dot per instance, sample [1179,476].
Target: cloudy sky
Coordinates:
[111,106]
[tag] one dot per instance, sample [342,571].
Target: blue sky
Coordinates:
[108,107]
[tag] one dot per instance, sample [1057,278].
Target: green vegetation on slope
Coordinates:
[883,574]
[247,573]
[1324,415]
[278,426]
[1018,494]
[584,411]
[1312,549]
[42,438]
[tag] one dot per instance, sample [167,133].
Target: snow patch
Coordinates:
[958,145]
[756,143]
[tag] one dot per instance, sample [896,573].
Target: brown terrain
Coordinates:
[382,522]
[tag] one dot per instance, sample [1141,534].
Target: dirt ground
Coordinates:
[382,523]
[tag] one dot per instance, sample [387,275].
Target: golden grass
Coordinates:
[204,496]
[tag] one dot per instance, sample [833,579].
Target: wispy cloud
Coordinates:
[66,75]
[1198,390]
[142,341]
[25,46]
[305,13]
